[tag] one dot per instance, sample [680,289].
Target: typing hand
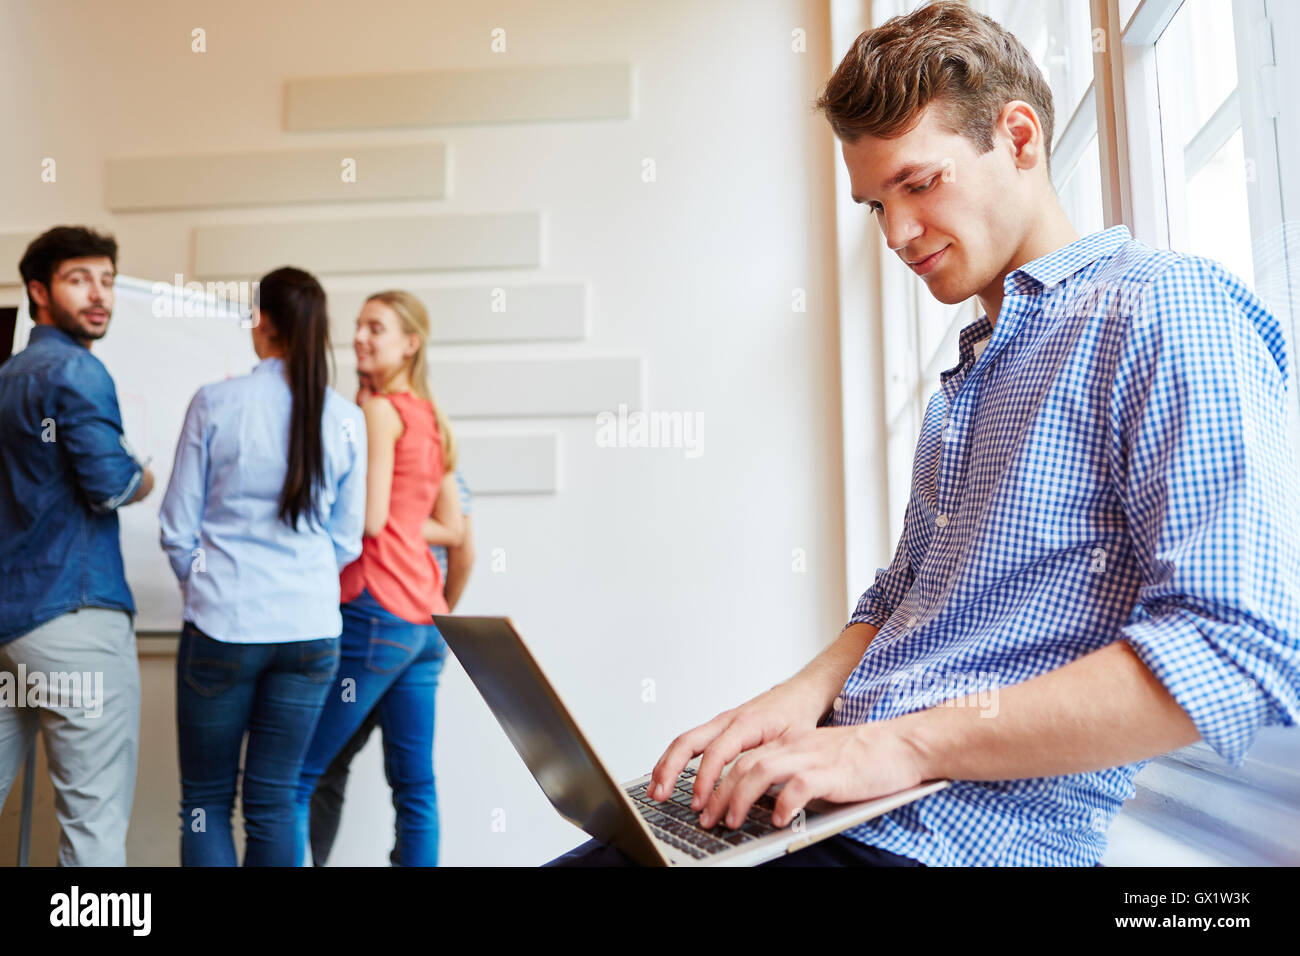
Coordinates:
[784,709]
[839,764]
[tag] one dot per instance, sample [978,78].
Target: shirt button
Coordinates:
[838,704]
[942,521]
[911,621]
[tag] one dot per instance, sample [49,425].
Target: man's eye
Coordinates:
[923,187]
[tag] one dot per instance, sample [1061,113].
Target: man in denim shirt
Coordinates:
[67,646]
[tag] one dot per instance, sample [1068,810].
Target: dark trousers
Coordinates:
[327,799]
[833,851]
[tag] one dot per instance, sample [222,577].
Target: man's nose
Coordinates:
[901,231]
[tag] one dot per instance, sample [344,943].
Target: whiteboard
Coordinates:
[158,359]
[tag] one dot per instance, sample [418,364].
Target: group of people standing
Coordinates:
[313,540]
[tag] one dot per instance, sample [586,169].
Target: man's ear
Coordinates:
[1020,123]
[38,293]
[38,296]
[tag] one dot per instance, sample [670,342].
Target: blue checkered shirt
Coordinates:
[1112,462]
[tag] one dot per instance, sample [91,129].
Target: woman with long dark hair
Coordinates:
[265,506]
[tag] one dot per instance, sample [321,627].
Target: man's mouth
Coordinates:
[922,266]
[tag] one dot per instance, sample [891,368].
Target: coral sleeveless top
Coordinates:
[396,565]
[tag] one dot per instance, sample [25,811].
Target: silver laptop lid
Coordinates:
[544,732]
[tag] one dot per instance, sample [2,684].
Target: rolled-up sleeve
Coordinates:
[890,586]
[348,516]
[88,428]
[1201,455]
[180,519]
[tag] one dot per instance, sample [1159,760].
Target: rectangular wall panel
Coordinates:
[521,388]
[481,388]
[415,171]
[509,464]
[500,241]
[517,313]
[447,97]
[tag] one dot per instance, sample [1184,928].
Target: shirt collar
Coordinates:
[1060,264]
[40,332]
[272,364]
[970,338]
[1041,273]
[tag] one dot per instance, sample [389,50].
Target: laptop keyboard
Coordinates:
[674,822]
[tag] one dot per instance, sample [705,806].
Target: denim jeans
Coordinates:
[393,664]
[273,692]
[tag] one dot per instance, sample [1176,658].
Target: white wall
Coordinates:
[645,564]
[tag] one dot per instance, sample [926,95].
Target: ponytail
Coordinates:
[294,302]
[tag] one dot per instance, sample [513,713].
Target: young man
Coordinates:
[65,608]
[1102,545]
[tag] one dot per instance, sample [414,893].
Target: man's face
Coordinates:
[80,297]
[931,192]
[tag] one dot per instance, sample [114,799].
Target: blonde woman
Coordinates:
[391,654]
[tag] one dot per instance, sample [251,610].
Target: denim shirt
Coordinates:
[65,468]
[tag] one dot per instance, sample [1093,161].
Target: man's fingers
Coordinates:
[799,790]
[679,753]
[746,784]
[739,735]
[718,801]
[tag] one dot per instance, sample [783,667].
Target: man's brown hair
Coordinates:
[943,52]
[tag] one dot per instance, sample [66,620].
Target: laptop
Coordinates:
[581,788]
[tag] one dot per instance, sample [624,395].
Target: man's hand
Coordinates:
[839,764]
[785,708]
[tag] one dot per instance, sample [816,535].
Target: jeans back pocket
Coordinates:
[318,660]
[209,667]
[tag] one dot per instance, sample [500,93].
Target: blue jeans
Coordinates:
[393,664]
[272,692]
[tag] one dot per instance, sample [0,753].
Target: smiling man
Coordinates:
[64,600]
[1102,529]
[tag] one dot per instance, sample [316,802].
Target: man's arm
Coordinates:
[89,431]
[1102,710]
[1202,463]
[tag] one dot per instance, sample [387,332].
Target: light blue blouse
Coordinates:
[247,577]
